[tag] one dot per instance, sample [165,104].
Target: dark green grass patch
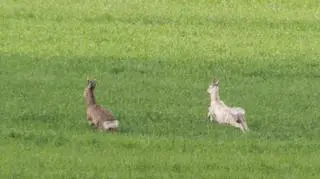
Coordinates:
[160,97]
[153,61]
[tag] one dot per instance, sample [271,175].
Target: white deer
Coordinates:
[223,114]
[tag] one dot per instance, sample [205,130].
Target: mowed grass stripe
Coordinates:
[153,61]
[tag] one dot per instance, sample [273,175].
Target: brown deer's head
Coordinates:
[92,84]
[89,91]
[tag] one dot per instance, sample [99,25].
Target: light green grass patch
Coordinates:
[153,61]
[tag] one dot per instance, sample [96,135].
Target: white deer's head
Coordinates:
[213,87]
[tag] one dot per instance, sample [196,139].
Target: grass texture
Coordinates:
[153,61]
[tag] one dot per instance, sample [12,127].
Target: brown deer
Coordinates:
[98,116]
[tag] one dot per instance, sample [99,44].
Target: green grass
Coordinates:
[153,61]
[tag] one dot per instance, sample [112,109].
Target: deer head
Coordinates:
[91,83]
[213,87]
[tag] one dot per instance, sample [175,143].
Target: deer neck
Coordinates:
[90,97]
[215,97]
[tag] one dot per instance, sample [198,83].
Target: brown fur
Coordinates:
[96,114]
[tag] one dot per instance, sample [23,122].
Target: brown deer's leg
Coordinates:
[89,120]
[92,123]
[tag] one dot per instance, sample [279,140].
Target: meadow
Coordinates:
[153,61]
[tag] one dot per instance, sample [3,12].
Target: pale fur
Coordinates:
[98,116]
[223,114]
[111,124]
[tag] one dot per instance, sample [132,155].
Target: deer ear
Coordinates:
[213,80]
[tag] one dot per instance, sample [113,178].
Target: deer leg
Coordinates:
[209,116]
[244,123]
[237,125]
[241,120]
[90,122]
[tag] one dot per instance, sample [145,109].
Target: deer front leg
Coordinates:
[91,122]
[209,116]
[242,122]
[212,117]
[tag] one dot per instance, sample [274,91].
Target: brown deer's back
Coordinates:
[99,113]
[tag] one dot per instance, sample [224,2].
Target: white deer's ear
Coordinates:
[213,81]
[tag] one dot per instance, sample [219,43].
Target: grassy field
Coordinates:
[153,61]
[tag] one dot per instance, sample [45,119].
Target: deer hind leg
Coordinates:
[242,121]
[236,120]
[237,124]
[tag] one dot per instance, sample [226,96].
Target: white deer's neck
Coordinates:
[215,98]
[215,95]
